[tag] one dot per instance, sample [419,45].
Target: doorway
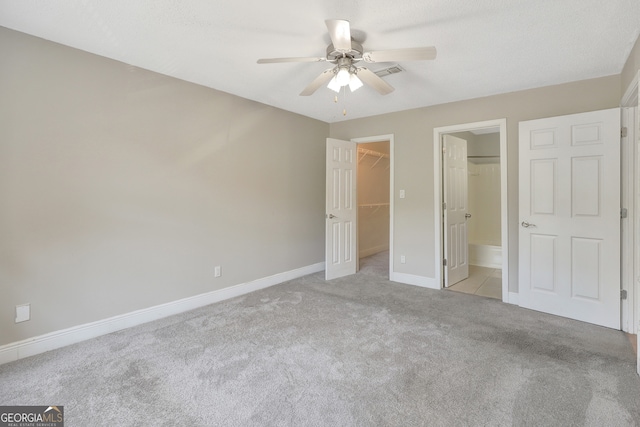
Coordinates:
[373,194]
[375,203]
[482,222]
[490,249]
[341,229]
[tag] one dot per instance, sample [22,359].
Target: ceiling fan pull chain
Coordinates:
[344,100]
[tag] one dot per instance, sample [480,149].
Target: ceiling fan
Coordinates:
[345,53]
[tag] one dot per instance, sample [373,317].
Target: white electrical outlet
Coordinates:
[217,271]
[23,313]
[402,259]
[402,194]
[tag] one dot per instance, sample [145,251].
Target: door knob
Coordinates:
[527,225]
[331,216]
[467,215]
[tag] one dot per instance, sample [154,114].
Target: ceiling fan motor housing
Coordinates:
[355,53]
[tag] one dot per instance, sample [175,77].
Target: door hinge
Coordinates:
[623,213]
[444,262]
[623,132]
[444,149]
[444,206]
[623,294]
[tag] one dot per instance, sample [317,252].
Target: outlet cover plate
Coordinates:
[23,313]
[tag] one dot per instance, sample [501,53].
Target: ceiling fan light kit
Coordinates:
[355,83]
[334,86]
[345,52]
[344,74]
[342,77]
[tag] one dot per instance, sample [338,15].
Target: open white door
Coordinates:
[341,209]
[456,245]
[570,216]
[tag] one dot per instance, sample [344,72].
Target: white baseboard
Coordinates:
[372,251]
[40,344]
[514,298]
[410,279]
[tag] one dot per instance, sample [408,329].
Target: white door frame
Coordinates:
[628,234]
[380,138]
[630,252]
[437,197]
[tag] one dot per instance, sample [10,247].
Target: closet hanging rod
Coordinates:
[373,205]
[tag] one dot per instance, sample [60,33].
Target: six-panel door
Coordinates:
[569,212]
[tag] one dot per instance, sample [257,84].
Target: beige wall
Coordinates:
[122,189]
[631,67]
[481,145]
[413,155]
[487,144]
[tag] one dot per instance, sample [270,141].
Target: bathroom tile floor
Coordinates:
[483,281]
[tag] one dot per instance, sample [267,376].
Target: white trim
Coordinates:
[628,234]
[379,138]
[630,97]
[410,279]
[514,298]
[437,195]
[40,344]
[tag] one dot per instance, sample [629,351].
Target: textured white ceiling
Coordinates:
[484,47]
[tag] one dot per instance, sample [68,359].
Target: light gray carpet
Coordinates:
[356,351]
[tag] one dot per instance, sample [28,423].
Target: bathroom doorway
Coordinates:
[483,244]
[483,223]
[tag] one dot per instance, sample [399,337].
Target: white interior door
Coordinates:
[341,209]
[569,240]
[456,245]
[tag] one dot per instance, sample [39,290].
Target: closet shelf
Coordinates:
[377,206]
[373,205]
[484,159]
[365,152]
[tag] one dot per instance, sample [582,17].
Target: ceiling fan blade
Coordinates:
[340,34]
[370,78]
[318,81]
[409,54]
[276,60]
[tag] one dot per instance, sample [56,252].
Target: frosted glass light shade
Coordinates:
[343,77]
[333,85]
[354,83]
